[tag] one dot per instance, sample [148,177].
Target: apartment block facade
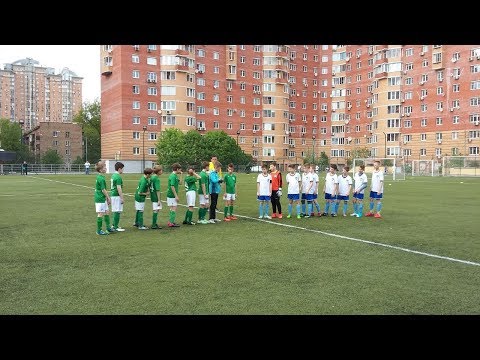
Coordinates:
[32,95]
[283,102]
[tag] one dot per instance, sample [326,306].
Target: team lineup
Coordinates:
[302,192]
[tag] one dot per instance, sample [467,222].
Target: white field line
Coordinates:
[321,232]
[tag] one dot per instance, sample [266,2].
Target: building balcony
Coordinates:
[183,68]
[381,75]
[106,70]
[181,52]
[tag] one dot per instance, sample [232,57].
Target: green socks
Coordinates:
[154,218]
[116,219]
[99,223]
[107,221]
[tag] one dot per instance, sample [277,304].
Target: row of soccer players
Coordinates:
[209,187]
[303,191]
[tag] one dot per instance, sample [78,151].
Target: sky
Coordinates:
[83,60]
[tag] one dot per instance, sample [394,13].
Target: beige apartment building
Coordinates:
[33,95]
[283,102]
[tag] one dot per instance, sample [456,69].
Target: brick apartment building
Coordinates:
[284,101]
[38,98]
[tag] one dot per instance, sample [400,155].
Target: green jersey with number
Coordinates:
[203,180]
[173,180]
[190,183]
[143,187]
[114,181]
[230,182]
[154,187]
[100,184]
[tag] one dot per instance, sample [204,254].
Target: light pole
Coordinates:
[143,147]
[313,148]
[385,143]
[238,134]
[86,147]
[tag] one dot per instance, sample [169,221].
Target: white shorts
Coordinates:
[191,197]
[117,205]
[229,196]
[202,200]
[101,207]
[171,202]
[155,206]
[139,206]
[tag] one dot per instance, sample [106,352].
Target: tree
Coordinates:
[171,147]
[89,120]
[51,157]
[358,153]
[11,140]
[323,160]
[78,161]
[191,148]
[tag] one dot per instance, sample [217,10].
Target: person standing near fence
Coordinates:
[24,168]
[87,167]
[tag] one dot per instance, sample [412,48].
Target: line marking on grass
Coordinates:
[319,232]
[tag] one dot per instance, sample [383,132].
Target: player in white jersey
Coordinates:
[315,204]
[294,182]
[376,190]
[264,191]
[305,185]
[360,184]
[330,189]
[344,189]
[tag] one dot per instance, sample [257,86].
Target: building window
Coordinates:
[136,151]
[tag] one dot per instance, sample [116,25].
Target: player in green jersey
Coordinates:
[143,189]
[155,194]
[230,181]
[191,194]
[203,198]
[116,195]
[102,200]
[172,193]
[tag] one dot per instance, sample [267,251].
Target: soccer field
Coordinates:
[422,257]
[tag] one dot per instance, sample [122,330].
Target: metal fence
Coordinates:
[16,169]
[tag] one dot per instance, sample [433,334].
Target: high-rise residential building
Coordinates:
[31,94]
[34,94]
[283,102]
